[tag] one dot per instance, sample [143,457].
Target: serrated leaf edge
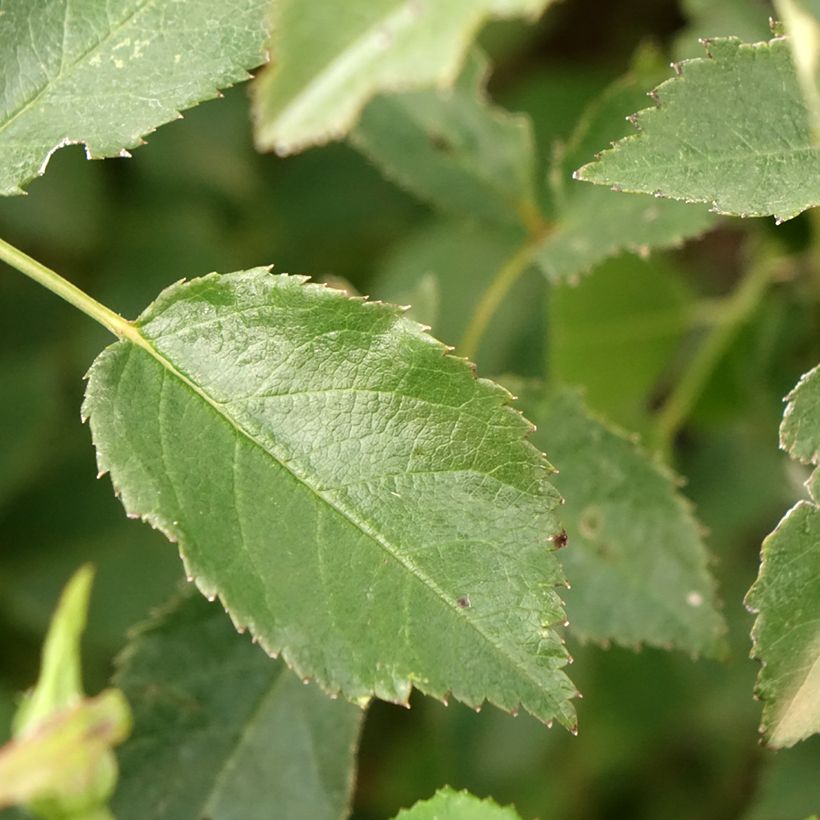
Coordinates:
[210,589]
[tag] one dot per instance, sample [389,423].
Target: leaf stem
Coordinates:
[52,280]
[508,274]
[737,309]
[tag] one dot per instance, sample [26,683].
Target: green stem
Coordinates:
[491,299]
[737,309]
[65,290]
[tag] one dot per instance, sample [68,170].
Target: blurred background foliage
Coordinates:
[661,735]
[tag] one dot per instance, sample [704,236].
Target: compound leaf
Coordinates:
[327,65]
[355,497]
[107,74]
[447,804]
[732,129]
[222,731]
[454,149]
[786,594]
[635,557]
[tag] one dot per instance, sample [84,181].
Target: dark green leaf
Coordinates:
[331,474]
[222,731]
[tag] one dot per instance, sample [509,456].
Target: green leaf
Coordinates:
[326,65]
[63,767]
[800,430]
[222,731]
[616,333]
[454,149]
[731,129]
[60,683]
[447,804]
[354,496]
[107,75]
[592,224]
[786,594]
[60,764]
[635,557]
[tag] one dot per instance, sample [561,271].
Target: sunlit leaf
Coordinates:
[326,65]
[448,804]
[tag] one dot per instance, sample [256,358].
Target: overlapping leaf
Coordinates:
[220,728]
[732,130]
[453,149]
[592,224]
[786,593]
[447,804]
[105,75]
[353,495]
[635,557]
[327,65]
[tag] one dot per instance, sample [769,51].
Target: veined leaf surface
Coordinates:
[786,594]
[635,558]
[106,74]
[356,498]
[710,137]
[327,65]
[222,731]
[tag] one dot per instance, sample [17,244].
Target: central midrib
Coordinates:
[350,516]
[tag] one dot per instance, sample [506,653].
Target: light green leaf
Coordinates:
[732,130]
[63,767]
[447,804]
[455,150]
[60,683]
[635,558]
[108,74]
[802,20]
[326,65]
[786,594]
[355,497]
[222,731]
[60,764]
[592,224]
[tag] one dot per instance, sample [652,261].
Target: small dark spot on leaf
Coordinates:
[463,602]
[560,539]
[441,143]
